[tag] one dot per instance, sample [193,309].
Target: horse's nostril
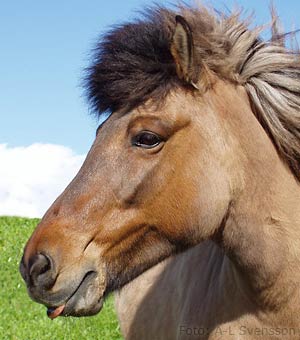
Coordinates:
[40,270]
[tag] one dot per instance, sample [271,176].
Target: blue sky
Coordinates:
[44,48]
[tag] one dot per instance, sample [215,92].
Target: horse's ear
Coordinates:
[182,50]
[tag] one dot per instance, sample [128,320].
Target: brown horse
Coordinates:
[194,176]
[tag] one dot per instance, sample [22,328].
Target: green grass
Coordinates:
[23,319]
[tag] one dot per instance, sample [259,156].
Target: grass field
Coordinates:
[22,319]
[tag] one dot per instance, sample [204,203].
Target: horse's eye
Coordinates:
[146,139]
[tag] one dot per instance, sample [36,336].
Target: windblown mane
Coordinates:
[133,63]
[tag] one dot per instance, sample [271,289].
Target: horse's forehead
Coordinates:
[168,110]
[174,105]
[178,107]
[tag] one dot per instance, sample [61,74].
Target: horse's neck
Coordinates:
[261,235]
[262,238]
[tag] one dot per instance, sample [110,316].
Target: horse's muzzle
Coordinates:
[81,294]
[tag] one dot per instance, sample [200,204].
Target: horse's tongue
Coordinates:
[55,312]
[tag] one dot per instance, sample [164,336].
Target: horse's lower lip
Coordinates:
[55,312]
[81,301]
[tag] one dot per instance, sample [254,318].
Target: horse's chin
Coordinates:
[79,309]
[87,300]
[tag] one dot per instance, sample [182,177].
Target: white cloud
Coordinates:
[32,177]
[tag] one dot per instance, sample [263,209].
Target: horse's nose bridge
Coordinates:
[80,198]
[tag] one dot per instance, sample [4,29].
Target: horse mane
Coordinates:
[132,63]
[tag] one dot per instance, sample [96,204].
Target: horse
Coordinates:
[187,205]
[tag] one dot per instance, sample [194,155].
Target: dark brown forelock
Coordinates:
[133,63]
